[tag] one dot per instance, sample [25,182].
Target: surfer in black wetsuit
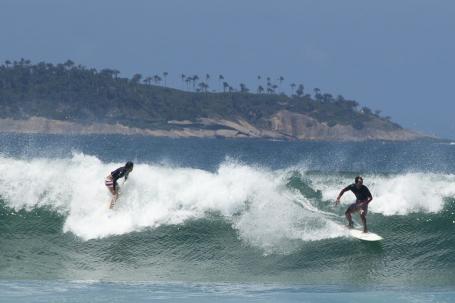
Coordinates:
[111,180]
[363,197]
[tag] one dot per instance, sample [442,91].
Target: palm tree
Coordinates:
[188,81]
[148,80]
[135,79]
[225,86]
[164,76]
[300,90]
[280,79]
[293,85]
[243,88]
[317,94]
[157,79]
[260,89]
[182,76]
[7,63]
[203,86]
[115,73]
[354,104]
[68,64]
[195,78]
[327,98]
[104,72]
[220,78]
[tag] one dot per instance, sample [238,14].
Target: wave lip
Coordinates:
[259,203]
[255,200]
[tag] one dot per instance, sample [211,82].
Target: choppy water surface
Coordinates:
[225,211]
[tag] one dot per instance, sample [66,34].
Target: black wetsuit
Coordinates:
[361,194]
[119,173]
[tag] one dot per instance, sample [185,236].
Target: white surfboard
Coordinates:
[369,236]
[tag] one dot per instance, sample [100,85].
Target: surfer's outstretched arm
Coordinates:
[341,194]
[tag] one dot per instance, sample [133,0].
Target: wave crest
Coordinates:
[266,210]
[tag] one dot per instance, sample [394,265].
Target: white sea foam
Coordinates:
[264,211]
[400,194]
[256,201]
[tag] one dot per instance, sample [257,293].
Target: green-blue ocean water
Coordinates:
[225,212]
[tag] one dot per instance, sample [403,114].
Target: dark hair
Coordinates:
[129,164]
[357,179]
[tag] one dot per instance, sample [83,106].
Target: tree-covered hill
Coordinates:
[75,93]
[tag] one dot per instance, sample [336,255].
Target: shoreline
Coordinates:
[227,130]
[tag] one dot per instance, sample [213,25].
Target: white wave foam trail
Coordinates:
[255,200]
[397,194]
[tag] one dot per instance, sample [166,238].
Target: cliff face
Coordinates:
[303,127]
[284,125]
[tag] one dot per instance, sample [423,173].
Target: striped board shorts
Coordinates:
[109,182]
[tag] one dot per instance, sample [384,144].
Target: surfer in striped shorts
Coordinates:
[363,197]
[111,180]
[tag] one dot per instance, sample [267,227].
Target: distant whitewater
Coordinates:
[207,210]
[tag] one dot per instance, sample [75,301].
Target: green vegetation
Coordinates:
[75,93]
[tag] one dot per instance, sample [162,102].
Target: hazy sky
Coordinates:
[396,56]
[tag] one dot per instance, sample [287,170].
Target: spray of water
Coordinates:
[265,212]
